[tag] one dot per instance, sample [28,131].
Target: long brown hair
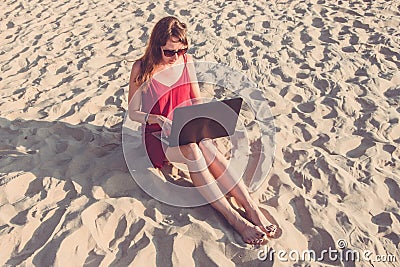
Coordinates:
[164,29]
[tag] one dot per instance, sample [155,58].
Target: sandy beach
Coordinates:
[330,71]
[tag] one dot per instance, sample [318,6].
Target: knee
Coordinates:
[191,151]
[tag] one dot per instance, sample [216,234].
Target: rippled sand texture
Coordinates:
[329,69]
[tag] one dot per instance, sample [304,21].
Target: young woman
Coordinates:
[167,77]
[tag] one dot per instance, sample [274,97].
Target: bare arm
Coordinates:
[135,96]
[135,101]
[195,93]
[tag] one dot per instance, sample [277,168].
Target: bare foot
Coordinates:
[250,233]
[254,215]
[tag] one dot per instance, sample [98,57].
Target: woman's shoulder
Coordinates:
[136,66]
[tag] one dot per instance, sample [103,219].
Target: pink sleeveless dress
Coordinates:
[162,99]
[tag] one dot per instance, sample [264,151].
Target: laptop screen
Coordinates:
[215,119]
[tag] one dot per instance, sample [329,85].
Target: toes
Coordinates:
[260,235]
[255,236]
[271,229]
[255,241]
[259,241]
[259,232]
[250,241]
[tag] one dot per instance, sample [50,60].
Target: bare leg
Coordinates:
[218,168]
[192,156]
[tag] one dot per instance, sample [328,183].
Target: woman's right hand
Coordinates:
[162,121]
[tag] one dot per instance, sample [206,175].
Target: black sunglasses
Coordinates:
[171,53]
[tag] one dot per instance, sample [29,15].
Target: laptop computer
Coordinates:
[191,124]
